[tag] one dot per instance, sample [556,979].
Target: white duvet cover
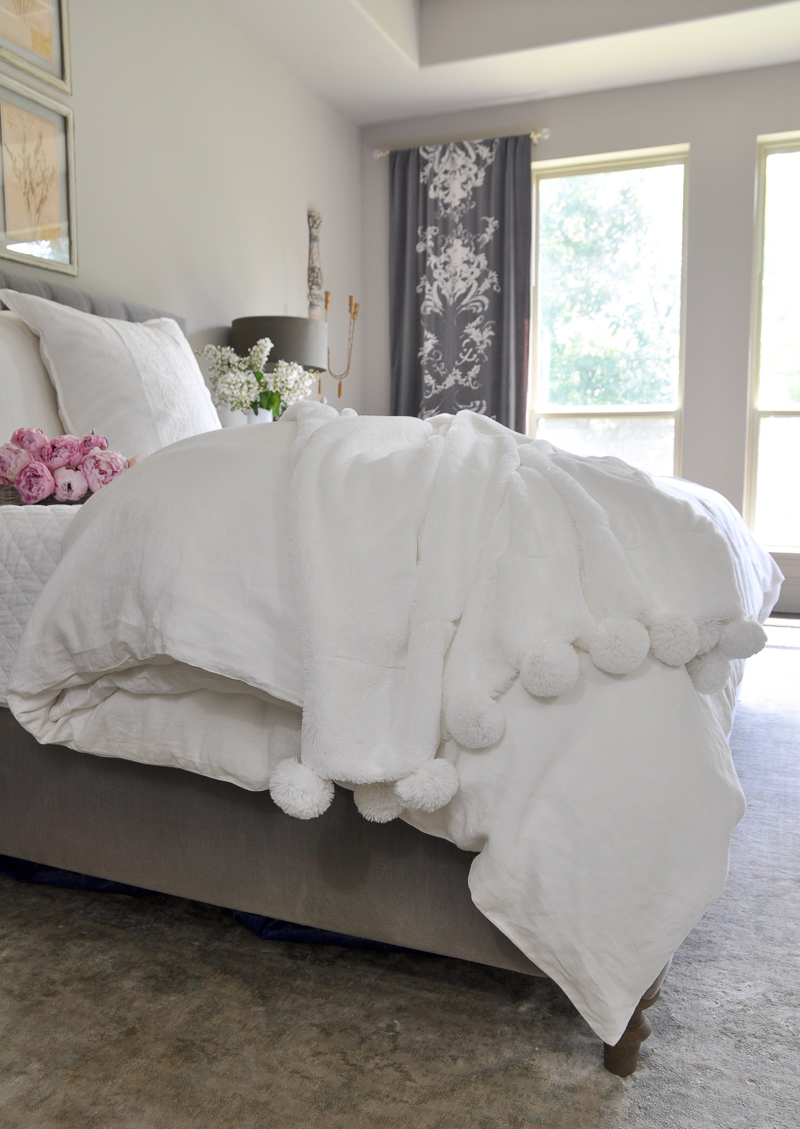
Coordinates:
[169,634]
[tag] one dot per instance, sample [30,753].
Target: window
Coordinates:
[608,309]
[773,486]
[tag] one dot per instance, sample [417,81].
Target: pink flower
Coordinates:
[29,438]
[71,485]
[12,460]
[35,483]
[61,452]
[134,459]
[93,443]
[100,467]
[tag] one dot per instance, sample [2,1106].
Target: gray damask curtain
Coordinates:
[460,278]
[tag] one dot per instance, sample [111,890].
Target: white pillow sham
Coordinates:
[27,398]
[137,383]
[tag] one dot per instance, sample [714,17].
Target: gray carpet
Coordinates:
[125,1013]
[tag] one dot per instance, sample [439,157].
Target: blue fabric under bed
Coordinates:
[267,928]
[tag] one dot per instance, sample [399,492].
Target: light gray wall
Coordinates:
[720,117]
[197,159]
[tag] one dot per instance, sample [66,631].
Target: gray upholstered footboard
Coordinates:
[178,833]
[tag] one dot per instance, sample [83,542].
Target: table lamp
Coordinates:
[302,340]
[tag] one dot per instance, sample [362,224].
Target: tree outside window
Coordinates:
[608,316]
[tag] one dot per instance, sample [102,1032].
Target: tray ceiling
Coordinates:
[379,60]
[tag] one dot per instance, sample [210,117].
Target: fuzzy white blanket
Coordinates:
[601,814]
[417,541]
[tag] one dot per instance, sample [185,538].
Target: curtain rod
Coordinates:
[537,135]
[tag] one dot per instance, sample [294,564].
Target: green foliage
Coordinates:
[609,315]
[268,398]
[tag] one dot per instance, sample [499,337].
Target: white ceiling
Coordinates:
[379,60]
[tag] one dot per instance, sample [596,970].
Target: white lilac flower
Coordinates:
[290,381]
[220,358]
[259,354]
[235,385]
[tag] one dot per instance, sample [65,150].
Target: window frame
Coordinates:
[766,144]
[577,166]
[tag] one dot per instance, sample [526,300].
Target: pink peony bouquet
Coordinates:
[65,468]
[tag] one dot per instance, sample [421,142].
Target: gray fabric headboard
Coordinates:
[80,300]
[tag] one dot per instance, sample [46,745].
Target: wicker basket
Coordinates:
[9,496]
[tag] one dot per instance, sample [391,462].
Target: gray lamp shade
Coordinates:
[302,340]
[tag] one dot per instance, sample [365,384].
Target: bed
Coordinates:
[176,830]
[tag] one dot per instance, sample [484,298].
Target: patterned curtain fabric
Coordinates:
[460,278]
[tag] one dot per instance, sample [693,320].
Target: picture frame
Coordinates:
[34,36]
[37,179]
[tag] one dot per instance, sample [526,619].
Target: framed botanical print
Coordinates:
[34,35]
[37,184]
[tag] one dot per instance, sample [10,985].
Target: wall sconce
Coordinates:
[315,300]
[350,335]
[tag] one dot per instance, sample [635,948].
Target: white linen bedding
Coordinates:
[27,398]
[136,383]
[30,548]
[602,817]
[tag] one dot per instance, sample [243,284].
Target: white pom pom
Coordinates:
[708,631]
[742,638]
[429,788]
[299,791]
[475,725]
[379,803]
[710,672]
[675,641]
[550,669]
[619,646]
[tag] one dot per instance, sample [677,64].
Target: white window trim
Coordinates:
[767,144]
[608,162]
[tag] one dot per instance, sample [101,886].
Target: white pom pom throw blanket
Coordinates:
[439,560]
[470,602]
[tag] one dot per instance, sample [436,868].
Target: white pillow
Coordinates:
[27,398]
[137,383]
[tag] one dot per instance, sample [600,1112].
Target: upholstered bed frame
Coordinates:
[178,833]
[81,300]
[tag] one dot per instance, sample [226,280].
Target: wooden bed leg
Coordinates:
[621,1059]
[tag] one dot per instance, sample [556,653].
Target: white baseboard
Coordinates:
[789,599]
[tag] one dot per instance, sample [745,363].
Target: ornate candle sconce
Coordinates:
[315,297]
[350,335]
